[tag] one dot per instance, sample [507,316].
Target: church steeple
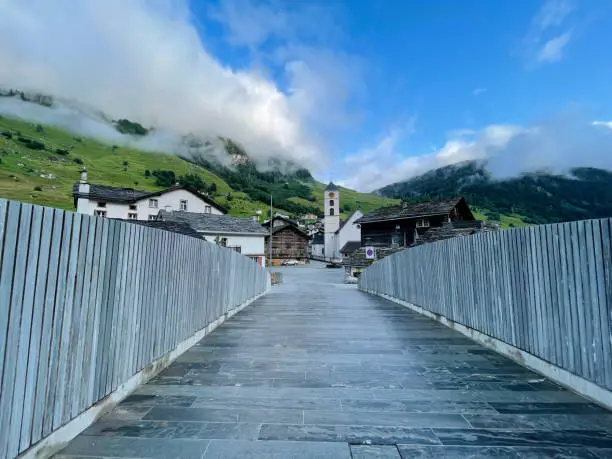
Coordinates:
[331,197]
[332,201]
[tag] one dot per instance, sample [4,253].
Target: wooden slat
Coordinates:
[61,415]
[31,329]
[14,369]
[75,344]
[600,327]
[9,218]
[93,316]
[83,335]
[39,336]
[606,303]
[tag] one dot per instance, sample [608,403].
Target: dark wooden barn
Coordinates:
[402,225]
[288,243]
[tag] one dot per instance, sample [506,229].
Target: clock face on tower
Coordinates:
[332,195]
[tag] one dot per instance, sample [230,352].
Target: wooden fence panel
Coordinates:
[88,302]
[546,290]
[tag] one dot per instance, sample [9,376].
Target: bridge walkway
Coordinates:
[317,369]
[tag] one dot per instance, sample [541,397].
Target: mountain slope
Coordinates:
[39,164]
[534,198]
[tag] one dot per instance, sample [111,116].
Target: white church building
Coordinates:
[337,233]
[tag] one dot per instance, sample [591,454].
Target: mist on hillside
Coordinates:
[79,119]
[143,61]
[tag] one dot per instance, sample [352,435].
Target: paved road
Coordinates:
[317,369]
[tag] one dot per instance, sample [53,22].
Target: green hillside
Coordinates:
[40,164]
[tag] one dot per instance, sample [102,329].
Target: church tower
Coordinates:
[331,196]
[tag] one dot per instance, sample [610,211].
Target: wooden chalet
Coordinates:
[403,225]
[289,242]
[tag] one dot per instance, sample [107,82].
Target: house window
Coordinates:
[331,203]
[422,223]
[208,210]
[152,217]
[183,205]
[100,213]
[133,207]
[331,211]
[101,204]
[132,216]
[153,203]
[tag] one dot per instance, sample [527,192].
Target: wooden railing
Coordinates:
[87,302]
[545,290]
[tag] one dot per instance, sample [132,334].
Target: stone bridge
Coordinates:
[318,369]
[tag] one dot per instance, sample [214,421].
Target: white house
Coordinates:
[130,204]
[243,235]
[338,233]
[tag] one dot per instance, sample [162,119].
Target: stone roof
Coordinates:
[291,227]
[174,227]
[411,210]
[210,223]
[281,218]
[129,195]
[455,229]
[331,187]
[110,193]
[350,247]
[357,258]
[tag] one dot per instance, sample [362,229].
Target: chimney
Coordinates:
[83,185]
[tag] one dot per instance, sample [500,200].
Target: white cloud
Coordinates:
[384,164]
[479,91]
[251,23]
[607,124]
[144,60]
[553,49]
[545,41]
[552,14]
[556,145]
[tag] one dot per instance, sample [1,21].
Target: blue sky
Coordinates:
[363,92]
[423,71]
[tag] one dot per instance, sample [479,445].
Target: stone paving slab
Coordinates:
[223,449]
[375,452]
[317,369]
[153,448]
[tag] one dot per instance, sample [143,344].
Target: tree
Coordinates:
[212,188]
[129,127]
[147,173]
[164,178]
[193,181]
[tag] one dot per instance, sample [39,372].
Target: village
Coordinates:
[353,243]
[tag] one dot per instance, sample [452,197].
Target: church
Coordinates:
[338,234]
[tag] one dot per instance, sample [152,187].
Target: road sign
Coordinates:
[370,253]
